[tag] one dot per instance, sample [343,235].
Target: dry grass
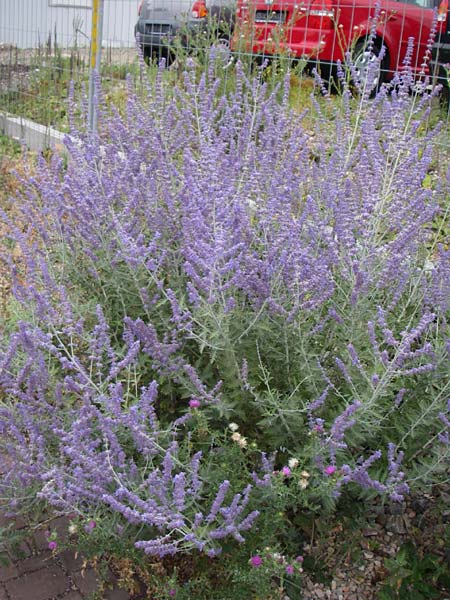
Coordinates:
[13,162]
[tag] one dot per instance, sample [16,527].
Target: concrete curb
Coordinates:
[36,137]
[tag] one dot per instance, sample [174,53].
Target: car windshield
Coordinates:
[173,8]
[423,3]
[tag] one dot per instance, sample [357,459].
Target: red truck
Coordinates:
[322,31]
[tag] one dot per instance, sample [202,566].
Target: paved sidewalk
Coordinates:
[39,575]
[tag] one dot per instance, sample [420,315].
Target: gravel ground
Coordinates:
[421,521]
[7,186]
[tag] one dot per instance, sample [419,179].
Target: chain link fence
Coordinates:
[46,44]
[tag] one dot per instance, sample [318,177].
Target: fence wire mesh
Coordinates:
[45,44]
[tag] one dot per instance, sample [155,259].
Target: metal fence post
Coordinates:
[95,58]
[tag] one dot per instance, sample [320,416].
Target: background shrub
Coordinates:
[228,313]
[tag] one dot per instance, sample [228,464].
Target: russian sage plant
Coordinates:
[217,280]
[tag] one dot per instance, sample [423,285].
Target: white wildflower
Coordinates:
[429,266]
[73,528]
[293,463]
[239,439]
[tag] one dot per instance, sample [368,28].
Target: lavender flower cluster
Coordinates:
[79,440]
[257,264]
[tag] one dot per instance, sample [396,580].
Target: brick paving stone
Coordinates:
[40,539]
[40,585]
[116,595]
[4,521]
[21,552]
[86,581]
[34,573]
[8,572]
[34,563]
[17,522]
[58,525]
[71,560]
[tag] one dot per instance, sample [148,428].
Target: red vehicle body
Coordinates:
[324,30]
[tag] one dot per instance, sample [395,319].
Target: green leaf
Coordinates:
[387,593]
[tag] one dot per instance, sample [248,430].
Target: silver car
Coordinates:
[164,23]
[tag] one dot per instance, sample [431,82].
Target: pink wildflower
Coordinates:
[290,570]
[330,470]
[90,526]
[52,545]
[194,403]
[256,561]
[286,471]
